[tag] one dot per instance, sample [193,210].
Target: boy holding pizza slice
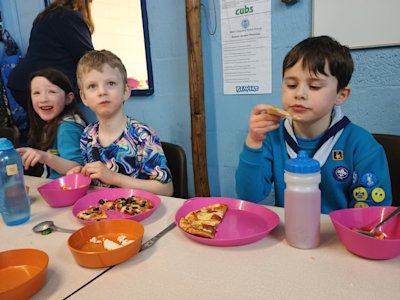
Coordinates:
[118,151]
[354,169]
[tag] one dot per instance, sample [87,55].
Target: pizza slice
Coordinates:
[92,213]
[204,221]
[108,204]
[273,110]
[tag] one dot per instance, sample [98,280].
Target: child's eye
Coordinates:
[315,87]
[35,93]
[112,83]
[291,86]
[91,86]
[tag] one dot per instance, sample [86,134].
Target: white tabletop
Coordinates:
[179,268]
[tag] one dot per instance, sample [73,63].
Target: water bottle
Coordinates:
[14,201]
[302,201]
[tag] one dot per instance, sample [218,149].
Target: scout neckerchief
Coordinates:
[327,141]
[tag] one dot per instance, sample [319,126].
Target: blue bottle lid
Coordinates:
[5,144]
[302,164]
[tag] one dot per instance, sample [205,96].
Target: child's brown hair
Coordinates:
[42,134]
[316,52]
[95,60]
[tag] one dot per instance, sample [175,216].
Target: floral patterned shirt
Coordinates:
[137,152]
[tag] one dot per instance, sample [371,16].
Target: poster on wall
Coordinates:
[246,46]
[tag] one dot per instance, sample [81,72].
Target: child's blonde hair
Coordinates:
[95,60]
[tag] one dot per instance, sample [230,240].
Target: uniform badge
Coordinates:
[361,204]
[369,179]
[360,194]
[337,154]
[378,195]
[53,151]
[355,177]
[341,173]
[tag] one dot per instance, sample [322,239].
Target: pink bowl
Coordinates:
[77,186]
[346,219]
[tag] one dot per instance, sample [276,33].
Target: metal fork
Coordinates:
[154,239]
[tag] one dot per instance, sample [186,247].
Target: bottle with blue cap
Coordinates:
[14,201]
[302,201]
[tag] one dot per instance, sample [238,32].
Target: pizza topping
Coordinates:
[92,213]
[132,206]
[203,222]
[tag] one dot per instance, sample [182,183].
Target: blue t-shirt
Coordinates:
[67,144]
[356,173]
[137,152]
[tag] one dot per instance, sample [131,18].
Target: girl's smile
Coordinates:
[48,99]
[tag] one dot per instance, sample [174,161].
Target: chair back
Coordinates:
[10,134]
[391,144]
[176,161]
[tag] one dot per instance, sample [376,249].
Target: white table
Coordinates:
[179,268]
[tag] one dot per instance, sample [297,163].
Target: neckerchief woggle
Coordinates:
[327,141]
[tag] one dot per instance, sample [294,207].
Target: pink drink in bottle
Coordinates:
[302,202]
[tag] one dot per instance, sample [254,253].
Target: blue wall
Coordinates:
[374,102]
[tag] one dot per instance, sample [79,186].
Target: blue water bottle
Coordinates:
[15,205]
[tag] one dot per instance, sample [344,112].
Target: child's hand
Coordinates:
[30,157]
[74,170]
[98,170]
[259,125]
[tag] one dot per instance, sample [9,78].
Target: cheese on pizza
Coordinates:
[204,222]
[132,206]
[92,213]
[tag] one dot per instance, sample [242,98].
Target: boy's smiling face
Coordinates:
[311,97]
[104,92]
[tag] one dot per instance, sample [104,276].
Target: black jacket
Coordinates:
[58,40]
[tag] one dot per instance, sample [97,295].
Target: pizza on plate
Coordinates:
[92,213]
[132,205]
[204,221]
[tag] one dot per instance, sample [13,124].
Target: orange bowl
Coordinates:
[22,273]
[89,244]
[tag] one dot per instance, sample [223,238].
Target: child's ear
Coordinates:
[69,98]
[342,95]
[127,92]
[82,95]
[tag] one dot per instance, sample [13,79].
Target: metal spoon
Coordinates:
[41,227]
[372,231]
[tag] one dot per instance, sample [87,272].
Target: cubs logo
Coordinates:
[341,173]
